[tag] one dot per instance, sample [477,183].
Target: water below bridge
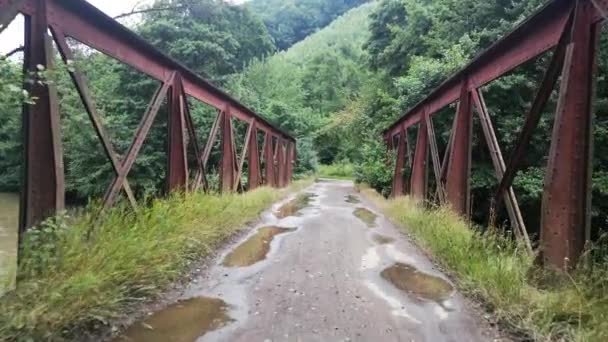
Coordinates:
[324,265]
[9,218]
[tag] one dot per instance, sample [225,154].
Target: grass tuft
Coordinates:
[337,171]
[68,285]
[497,271]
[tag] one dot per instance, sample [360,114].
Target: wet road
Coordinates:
[345,273]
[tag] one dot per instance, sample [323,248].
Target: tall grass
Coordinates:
[500,273]
[337,171]
[68,285]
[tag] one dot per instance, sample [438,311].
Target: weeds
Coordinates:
[337,171]
[499,272]
[68,285]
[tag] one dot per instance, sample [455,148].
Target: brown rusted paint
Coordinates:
[398,180]
[565,206]
[419,166]
[227,168]
[177,162]
[43,178]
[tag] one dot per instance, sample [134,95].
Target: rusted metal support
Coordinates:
[211,139]
[517,222]
[398,180]
[82,87]
[435,157]
[177,160]
[281,169]
[253,159]
[140,135]
[244,153]
[533,117]
[419,176]
[291,159]
[446,155]
[200,178]
[43,175]
[8,13]
[269,161]
[459,167]
[227,172]
[565,216]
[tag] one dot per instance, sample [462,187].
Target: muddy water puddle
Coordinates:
[382,240]
[292,207]
[352,199]
[255,248]
[425,286]
[184,321]
[366,216]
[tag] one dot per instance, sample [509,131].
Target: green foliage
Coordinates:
[290,21]
[493,268]
[337,171]
[11,97]
[211,37]
[69,285]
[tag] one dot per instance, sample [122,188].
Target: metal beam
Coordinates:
[398,180]
[435,157]
[419,166]
[254,176]
[142,132]
[177,159]
[517,222]
[459,167]
[82,88]
[85,23]
[269,161]
[227,174]
[531,38]
[43,175]
[565,216]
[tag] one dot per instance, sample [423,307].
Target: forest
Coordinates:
[335,84]
[334,74]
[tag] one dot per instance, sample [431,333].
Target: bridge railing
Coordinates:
[571,28]
[43,187]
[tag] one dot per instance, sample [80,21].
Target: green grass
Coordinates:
[499,273]
[69,285]
[337,171]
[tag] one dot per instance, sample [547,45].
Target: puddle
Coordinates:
[366,216]
[352,199]
[407,278]
[184,321]
[255,248]
[292,207]
[382,240]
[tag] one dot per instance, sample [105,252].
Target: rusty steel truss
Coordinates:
[571,29]
[43,188]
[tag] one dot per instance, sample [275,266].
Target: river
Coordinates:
[9,218]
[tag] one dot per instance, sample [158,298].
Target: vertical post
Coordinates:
[459,167]
[253,159]
[269,161]
[419,166]
[281,162]
[566,198]
[399,166]
[291,153]
[177,162]
[43,188]
[227,174]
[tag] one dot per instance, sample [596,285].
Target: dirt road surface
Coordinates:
[339,271]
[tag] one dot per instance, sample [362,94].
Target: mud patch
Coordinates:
[425,286]
[292,207]
[382,240]
[352,199]
[184,321]
[366,216]
[255,248]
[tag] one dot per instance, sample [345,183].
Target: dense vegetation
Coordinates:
[496,271]
[290,21]
[70,285]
